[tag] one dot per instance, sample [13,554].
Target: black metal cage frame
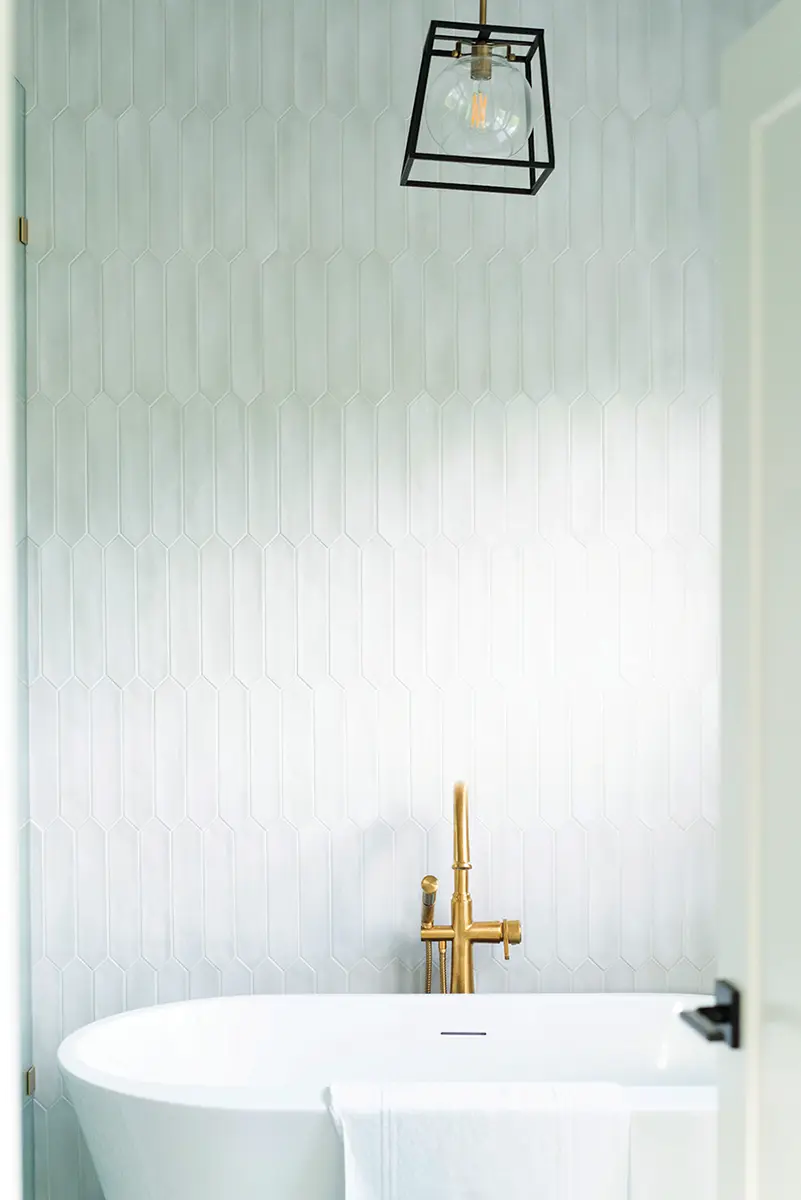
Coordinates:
[533,40]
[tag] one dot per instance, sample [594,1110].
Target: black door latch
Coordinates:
[719,1022]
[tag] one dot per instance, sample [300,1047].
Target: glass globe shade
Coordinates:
[489,118]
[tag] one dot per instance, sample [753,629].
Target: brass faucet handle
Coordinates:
[512,935]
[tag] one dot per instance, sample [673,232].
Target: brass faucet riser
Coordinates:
[462,950]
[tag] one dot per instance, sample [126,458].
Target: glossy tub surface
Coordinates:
[213,1099]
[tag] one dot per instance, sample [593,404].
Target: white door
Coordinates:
[760,1142]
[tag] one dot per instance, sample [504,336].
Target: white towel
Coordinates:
[478,1141]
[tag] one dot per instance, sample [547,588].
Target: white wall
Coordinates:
[339,492]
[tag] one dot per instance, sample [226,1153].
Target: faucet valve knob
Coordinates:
[512,935]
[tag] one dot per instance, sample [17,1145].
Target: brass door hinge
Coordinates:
[22,230]
[30,1081]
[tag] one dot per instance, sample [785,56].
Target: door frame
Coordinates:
[10,1068]
[767,58]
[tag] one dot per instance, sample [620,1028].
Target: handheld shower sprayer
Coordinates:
[429,886]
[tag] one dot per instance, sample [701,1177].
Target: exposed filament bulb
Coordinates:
[478,115]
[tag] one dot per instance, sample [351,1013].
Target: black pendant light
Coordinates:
[482,120]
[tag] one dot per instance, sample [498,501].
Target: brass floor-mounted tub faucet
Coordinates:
[463,931]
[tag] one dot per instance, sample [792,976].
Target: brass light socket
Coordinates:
[481,61]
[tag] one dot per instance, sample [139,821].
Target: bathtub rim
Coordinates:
[297,1097]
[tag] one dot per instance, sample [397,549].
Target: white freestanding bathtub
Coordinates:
[225,1099]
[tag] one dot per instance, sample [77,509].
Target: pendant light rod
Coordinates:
[482,12]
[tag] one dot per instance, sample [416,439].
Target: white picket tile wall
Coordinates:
[338,492]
